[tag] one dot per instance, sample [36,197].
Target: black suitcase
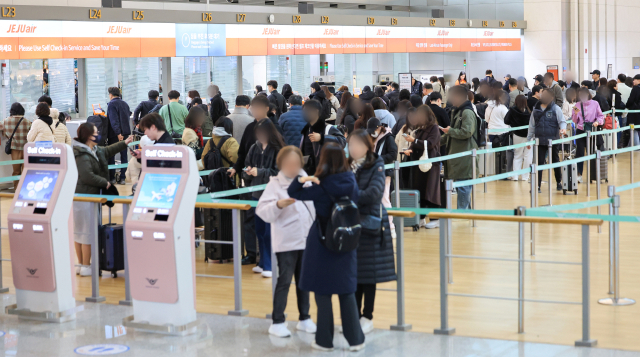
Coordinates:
[111,244]
[501,162]
[218,226]
[598,142]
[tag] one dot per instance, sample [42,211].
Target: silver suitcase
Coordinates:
[491,163]
[569,177]
[408,199]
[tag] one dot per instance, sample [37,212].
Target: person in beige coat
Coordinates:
[60,130]
[41,128]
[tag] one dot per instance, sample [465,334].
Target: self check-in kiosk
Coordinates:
[41,234]
[161,241]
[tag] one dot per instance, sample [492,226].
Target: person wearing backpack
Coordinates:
[290,221]
[461,136]
[375,250]
[318,94]
[15,129]
[324,271]
[226,144]
[260,166]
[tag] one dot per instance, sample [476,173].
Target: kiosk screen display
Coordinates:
[38,185]
[158,191]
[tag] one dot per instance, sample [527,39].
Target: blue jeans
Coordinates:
[464,197]
[263,233]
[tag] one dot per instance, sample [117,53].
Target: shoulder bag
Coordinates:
[587,126]
[7,146]
[171,131]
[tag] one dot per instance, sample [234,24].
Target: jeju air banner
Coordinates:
[82,39]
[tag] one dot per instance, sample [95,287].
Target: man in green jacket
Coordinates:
[174,121]
[459,137]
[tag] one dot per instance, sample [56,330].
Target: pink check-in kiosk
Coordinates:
[41,234]
[161,241]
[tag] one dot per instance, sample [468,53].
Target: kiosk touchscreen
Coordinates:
[41,234]
[161,241]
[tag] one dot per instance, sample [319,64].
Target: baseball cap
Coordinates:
[521,78]
[373,124]
[507,75]
[539,78]
[595,71]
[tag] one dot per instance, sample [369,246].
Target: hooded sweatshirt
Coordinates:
[385,117]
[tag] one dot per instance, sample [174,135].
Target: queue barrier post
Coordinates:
[534,201]
[449,242]
[611,191]
[598,175]
[614,259]
[95,257]
[2,288]
[473,187]
[586,341]
[127,291]
[549,149]
[444,294]
[237,265]
[486,156]
[521,212]
[588,174]
[632,135]
[401,325]
[274,278]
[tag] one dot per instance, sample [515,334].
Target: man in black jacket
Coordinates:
[416,86]
[276,98]
[145,106]
[435,103]
[118,114]
[315,134]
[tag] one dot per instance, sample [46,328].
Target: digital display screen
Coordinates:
[165,164]
[158,191]
[55,160]
[38,185]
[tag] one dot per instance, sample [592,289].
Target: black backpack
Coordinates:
[218,180]
[343,229]
[102,123]
[213,159]
[326,109]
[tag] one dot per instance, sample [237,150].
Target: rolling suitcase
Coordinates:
[598,142]
[569,177]
[111,246]
[501,162]
[409,199]
[218,226]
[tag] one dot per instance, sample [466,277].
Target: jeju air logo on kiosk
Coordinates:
[21,29]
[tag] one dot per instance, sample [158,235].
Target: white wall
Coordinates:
[543,36]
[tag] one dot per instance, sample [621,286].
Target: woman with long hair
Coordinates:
[325,272]
[519,115]
[343,106]
[425,137]
[462,79]
[443,90]
[191,95]
[476,85]
[287,91]
[351,113]
[342,90]
[375,248]
[192,133]
[379,93]
[260,165]
[335,103]
[366,114]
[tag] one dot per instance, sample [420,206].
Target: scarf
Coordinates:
[47,120]
[355,165]
[199,133]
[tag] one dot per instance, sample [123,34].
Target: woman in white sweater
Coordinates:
[290,223]
[41,128]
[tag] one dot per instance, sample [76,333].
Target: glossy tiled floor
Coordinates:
[228,336]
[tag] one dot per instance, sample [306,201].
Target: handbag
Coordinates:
[425,155]
[171,131]
[372,225]
[7,146]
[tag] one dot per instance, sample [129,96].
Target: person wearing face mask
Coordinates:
[93,178]
[587,116]
[385,146]
[547,123]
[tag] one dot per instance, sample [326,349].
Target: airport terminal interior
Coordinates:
[237,178]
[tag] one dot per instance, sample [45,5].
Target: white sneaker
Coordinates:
[393,234]
[423,223]
[279,330]
[356,348]
[306,326]
[256,269]
[316,346]
[514,179]
[266,274]
[579,179]
[78,270]
[366,324]
[433,224]
[85,270]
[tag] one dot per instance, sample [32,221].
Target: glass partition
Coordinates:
[139,76]
[254,72]
[278,70]
[364,70]
[196,76]
[225,75]
[343,70]
[26,84]
[62,86]
[301,74]
[101,73]
[400,64]
[177,77]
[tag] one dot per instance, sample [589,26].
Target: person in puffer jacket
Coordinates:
[290,222]
[293,121]
[380,109]
[60,130]
[385,146]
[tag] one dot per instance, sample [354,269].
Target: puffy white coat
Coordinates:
[290,225]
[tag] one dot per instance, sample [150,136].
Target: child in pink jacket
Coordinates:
[290,223]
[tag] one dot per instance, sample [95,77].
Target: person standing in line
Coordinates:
[174,113]
[350,115]
[367,95]
[18,126]
[343,106]
[379,93]
[393,94]
[375,248]
[318,94]
[229,147]
[292,122]
[488,77]
[241,116]
[191,95]
[333,100]
[633,103]
[192,134]
[290,222]
[534,97]
[523,86]
[425,137]
[260,165]
[416,86]
[287,91]
[462,79]
[145,106]
[595,75]
[550,82]
[41,128]
[547,122]
[495,113]
[276,98]
[324,272]
[316,134]
[118,114]
[207,125]
[518,115]
[427,89]
[587,116]
[514,91]
[570,98]
[401,116]
[442,118]
[381,112]
[460,136]
[217,105]
[385,147]
[60,130]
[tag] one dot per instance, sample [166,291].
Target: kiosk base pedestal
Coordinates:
[4,290]
[167,329]
[238,312]
[46,316]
